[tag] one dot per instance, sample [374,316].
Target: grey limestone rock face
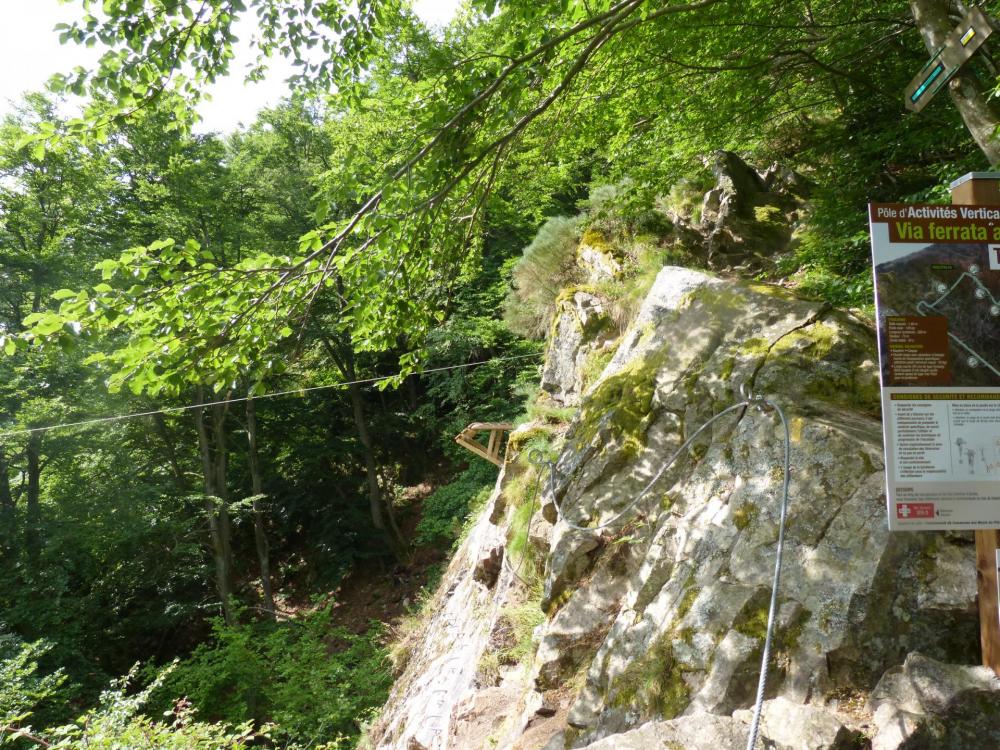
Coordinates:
[688,635]
[745,216]
[701,732]
[578,627]
[927,704]
[784,726]
[489,566]
[654,627]
[581,327]
[598,262]
[785,723]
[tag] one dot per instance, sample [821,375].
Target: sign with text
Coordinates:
[959,46]
[937,296]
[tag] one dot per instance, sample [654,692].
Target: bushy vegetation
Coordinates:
[547,266]
[117,722]
[445,510]
[22,687]
[311,681]
[300,683]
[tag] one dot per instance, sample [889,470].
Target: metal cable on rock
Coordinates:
[776,583]
[642,493]
[752,402]
[516,572]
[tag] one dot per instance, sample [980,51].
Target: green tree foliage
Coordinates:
[22,688]
[285,674]
[445,509]
[443,130]
[119,569]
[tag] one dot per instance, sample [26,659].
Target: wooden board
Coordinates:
[987,543]
[491,451]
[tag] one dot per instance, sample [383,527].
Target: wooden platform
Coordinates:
[491,451]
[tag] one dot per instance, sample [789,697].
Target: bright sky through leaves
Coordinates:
[30,53]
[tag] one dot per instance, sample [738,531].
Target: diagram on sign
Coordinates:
[980,456]
[939,313]
[989,303]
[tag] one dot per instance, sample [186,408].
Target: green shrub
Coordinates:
[686,196]
[624,208]
[547,266]
[447,508]
[315,683]
[22,688]
[644,261]
[118,724]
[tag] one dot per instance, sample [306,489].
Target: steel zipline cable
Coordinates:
[261,397]
[754,403]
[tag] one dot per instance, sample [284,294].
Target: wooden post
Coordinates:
[983,189]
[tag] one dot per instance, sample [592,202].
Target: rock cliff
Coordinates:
[649,634]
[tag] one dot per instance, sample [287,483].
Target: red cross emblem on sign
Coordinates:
[915,510]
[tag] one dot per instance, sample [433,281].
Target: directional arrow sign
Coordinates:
[947,61]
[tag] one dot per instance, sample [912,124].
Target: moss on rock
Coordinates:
[745,515]
[716,297]
[594,364]
[822,358]
[726,371]
[597,240]
[752,622]
[686,602]
[624,403]
[773,290]
[654,684]
[755,347]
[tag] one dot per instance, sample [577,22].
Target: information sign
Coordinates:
[959,46]
[937,290]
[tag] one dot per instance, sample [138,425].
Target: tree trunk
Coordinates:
[33,508]
[7,508]
[381,515]
[980,115]
[213,463]
[257,490]
[160,424]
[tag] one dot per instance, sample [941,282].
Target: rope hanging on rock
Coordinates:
[755,403]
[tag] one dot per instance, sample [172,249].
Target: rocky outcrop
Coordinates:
[926,704]
[784,726]
[651,630]
[581,328]
[441,665]
[688,634]
[747,218]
